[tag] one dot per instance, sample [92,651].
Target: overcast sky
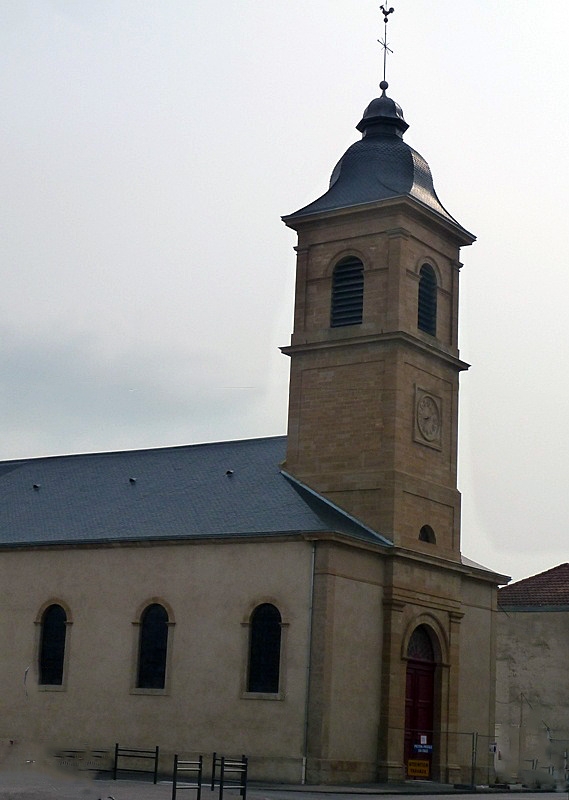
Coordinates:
[149,149]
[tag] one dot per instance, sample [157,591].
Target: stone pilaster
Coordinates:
[392,713]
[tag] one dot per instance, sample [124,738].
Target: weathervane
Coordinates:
[383,42]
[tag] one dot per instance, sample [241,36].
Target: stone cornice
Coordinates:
[478,572]
[394,604]
[410,205]
[365,339]
[404,597]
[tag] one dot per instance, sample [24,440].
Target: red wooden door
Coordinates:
[419,712]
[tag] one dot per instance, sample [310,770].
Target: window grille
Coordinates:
[420,645]
[427,306]
[347,293]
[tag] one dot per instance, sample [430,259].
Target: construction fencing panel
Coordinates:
[533,755]
[465,758]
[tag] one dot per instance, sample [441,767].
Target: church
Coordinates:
[302,599]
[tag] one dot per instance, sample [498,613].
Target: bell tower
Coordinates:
[373,407]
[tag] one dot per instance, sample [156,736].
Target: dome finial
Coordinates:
[383,116]
[383,42]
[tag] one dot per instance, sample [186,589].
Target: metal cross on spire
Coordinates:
[383,42]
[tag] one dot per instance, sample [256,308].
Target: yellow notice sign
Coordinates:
[418,768]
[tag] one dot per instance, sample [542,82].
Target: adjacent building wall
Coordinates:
[532,702]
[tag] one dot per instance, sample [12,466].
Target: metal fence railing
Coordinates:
[532,754]
[465,758]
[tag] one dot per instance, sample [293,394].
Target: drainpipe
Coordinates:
[474,760]
[308,666]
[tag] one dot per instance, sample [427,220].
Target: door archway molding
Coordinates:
[439,637]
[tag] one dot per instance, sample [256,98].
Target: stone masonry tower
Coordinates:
[373,408]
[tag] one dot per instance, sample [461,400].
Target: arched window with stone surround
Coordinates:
[52,646]
[264,649]
[347,293]
[152,648]
[427,304]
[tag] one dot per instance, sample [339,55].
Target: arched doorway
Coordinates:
[420,704]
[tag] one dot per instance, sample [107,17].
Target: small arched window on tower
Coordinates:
[427,534]
[347,293]
[152,648]
[264,649]
[427,305]
[52,646]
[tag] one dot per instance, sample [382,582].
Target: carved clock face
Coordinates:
[428,418]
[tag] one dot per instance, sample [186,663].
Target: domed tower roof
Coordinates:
[380,166]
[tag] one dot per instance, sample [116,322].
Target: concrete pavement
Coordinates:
[35,783]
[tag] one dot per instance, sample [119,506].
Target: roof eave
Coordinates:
[298,220]
[531,608]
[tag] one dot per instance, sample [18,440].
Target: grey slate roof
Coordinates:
[224,489]
[379,167]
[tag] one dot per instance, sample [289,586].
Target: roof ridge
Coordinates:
[137,450]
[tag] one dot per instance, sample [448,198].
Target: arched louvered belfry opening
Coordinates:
[152,648]
[427,304]
[347,293]
[52,646]
[264,649]
[420,698]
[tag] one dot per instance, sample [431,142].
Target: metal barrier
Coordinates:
[463,758]
[532,752]
[215,763]
[70,758]
[193,767]
[131,752]
[92,760]
[216,767]
[232,774]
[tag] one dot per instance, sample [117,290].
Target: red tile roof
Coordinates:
[549,588]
